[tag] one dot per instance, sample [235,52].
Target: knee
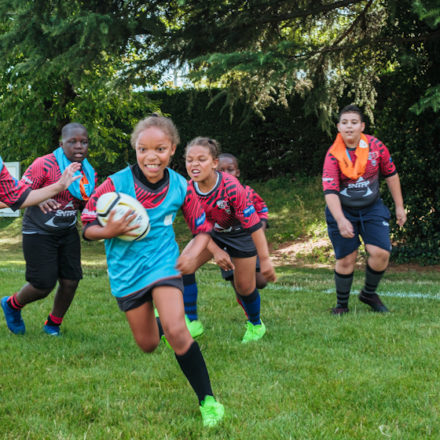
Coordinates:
[41,291]
[147,346]
[176,334]
[346,264]
[69,284]
[380,255]
[244,287]
[261,281]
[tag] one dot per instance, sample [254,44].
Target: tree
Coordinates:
[73,60]
[265,51]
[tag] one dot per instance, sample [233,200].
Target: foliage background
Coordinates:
[268,79]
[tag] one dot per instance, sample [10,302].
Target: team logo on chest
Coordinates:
[223,204]
[372,156]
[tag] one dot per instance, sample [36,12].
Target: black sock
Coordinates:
[194,368]
[159,324]
[343,287]
[372,279]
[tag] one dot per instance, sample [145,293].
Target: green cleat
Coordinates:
[253,332]
[195,327]
[163,338]
[212,411]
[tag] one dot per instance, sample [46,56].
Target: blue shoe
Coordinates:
[13,318]
[52,330]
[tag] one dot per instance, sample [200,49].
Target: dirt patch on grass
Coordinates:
[318,252]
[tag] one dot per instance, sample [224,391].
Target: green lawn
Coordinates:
[313,376]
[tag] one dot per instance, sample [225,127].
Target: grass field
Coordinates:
[313,376]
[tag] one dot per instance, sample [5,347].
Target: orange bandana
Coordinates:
[339,150]
[82,186]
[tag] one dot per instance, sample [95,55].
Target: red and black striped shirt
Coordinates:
[228,206]
[12,192]
[44,171]
[150,198]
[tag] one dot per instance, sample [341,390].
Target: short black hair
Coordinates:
[71,126]
[352,109]
[228,156]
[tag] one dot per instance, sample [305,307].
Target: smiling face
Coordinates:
[228,165]
[75,144]
[351,126]
[154,150]
[200,164]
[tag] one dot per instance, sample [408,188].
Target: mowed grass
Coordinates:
[313,376]
[362,376]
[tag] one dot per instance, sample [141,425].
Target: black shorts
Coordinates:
[52,257]
[237,245]
[136,299]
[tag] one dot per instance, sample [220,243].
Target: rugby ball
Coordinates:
[122,203]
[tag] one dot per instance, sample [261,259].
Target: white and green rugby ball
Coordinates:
[122,203]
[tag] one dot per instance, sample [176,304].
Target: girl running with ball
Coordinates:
[149,270]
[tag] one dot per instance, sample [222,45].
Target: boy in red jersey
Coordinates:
[354,207]
[51,244]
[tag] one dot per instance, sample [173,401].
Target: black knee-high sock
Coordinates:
[372,280]
[194,368]
[343,286]
[159,325]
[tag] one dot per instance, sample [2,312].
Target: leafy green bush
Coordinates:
[413,141]
[285,143]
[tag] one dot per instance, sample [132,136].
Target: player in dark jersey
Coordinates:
[15,194]
[236,228]
[51,243]
[354,207]
[150,269]
[228,163]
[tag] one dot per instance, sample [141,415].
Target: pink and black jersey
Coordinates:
[43,172]
[151,196]
[12,192]
[258,202]
[228,206]
[365,190]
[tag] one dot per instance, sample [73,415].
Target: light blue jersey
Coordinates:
[134,265]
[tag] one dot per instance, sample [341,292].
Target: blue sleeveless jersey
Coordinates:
[1,164]
[134,265]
